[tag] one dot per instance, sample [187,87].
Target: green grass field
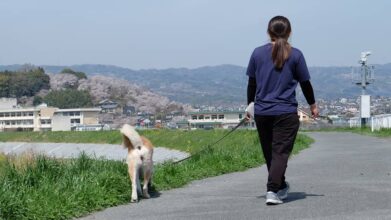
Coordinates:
[45,188]
[363,131]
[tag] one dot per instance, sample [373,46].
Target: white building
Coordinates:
[212,119]
[226,119]
[43,118]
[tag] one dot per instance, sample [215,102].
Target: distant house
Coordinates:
[109,106]
[183,124]
[128,110]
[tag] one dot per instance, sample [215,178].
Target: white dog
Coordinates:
[140,152]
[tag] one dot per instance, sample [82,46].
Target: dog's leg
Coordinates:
[147,178]
[139,192]
[132,169]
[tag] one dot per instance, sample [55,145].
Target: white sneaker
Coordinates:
[283,193]
[272,198]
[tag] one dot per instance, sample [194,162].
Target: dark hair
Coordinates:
[279,30]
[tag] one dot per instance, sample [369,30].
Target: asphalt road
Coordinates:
[342,176]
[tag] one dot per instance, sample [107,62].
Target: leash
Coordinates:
[210,145]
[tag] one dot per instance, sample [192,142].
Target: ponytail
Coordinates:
[281,51]
[279,30]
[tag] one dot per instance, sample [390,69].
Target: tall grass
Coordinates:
[46,188]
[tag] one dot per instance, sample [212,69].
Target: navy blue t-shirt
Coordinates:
[275,93]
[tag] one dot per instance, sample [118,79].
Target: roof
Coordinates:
[19,110]
[79,110]
[107,101]
[207,123]
[216,112]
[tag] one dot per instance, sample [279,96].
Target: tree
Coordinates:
[37,100]
[23,83]
[69,98]
[79,75]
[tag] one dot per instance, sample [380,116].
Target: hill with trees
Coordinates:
[73,89]
[23,82]
[226,84]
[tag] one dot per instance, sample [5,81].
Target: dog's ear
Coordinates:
[127,142]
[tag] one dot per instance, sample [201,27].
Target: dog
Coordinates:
[139,160]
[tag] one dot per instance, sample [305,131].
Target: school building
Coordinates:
[44,118]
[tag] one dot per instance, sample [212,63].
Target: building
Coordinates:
[225,119]
[44,118]
[6,103]
[109,106]
[216,119]
[128,110]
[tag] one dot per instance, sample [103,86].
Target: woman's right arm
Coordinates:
[308,92]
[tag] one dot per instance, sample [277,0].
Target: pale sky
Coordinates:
[188,33]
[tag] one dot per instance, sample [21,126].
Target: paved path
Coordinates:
[342,176]
[68,150]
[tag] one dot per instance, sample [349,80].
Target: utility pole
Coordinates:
[366,77]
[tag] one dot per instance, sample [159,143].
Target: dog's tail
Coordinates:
[130,136]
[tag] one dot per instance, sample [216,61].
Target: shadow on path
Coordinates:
[293,196]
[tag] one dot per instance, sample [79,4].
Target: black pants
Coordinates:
[277,134]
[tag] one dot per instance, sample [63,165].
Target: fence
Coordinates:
[377,122]
[380,121]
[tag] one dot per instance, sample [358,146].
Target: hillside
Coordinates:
[226,84]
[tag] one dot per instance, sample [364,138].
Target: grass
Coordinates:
[384,132]
[45,188]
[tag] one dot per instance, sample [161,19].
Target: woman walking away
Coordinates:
[274,71]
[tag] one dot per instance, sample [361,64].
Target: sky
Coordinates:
[188,33]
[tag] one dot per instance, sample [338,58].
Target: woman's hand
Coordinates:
[314,111]
[248,117]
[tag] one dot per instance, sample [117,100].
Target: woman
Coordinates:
[274,71]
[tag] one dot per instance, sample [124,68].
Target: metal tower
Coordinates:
[365,77]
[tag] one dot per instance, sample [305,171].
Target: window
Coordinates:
[46,121]
[214,116]
[7,123]
[77,113]
[75,121]
[71,114]
[18,114]
[31,113]
[240,116]
[65,113]
[7,114]
[207,117]
[1,114]
[24,113]
[194,117]
[221,116]
[12,114]
[201,117]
